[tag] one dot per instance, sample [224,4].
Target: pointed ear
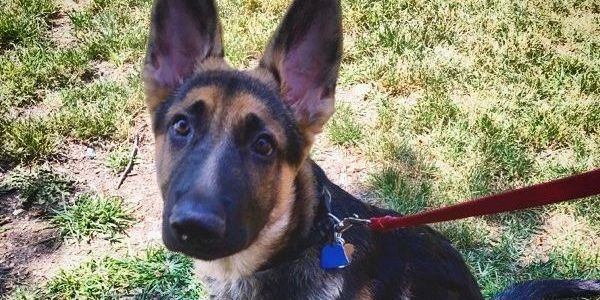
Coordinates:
[304,55]
[183,33]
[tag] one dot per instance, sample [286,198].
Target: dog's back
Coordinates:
[410,263]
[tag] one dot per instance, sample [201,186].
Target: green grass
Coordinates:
[29,74]
[27,140]
[38,187]
[492,95]
[118,157]
[92,216]
[25,22]
[343,128]
[90,108]
[109,34]
[155,274]
[97,111]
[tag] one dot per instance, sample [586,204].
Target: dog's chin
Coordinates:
[207,252]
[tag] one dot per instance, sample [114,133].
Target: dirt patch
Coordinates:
[61,31]
[31,253]
[112,72]
[559,232]
[345,167]
[69,5]
[24,236]
[357,97]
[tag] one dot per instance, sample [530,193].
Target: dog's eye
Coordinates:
[263,145]
[181,127]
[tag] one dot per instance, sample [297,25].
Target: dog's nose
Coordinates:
[196,225]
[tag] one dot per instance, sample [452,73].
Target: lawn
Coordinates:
[456,99]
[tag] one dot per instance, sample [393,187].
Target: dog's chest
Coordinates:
[301,281]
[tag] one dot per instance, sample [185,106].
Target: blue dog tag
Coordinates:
[333,256]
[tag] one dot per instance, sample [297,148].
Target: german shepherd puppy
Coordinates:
[240,192]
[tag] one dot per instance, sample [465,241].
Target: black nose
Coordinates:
[197,225]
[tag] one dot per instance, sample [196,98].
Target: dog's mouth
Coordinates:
[202,232]
[199,248]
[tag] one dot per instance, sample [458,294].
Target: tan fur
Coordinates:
[246,104]
[365,293]
[213,64]
[155,94]
[270,239]
[264,76]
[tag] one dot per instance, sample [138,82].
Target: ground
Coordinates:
[438,101]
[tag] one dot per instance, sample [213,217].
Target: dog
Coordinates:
[241,194]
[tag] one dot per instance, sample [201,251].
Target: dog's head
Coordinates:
[229,143]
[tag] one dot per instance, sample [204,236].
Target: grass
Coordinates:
[92,215]
[25,22]
[343,128]
[89,108]
[118,157]
[97,111]
[492,95]
[472,98]
[27,140]
[155,274]
[39,187]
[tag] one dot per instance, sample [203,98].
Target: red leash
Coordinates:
[564,189]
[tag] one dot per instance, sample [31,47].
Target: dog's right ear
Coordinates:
[183,33]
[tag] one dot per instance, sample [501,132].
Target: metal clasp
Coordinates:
[346,223]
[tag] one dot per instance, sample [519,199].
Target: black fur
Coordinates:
[551,289]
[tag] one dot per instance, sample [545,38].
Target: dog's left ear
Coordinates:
[304,55]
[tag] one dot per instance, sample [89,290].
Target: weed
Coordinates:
[27,140]
[343,128]
[108,34]
[249,25]
[118,158]
[466,234]
[27,74]
[98,111]
[92,215]
[39,187]
[404,194]
[435,109]
[25,22]
[158,274]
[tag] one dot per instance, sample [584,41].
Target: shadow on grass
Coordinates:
[404,183]
[26,239]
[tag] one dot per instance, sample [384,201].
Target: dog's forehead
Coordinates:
[234,91]
[229,97]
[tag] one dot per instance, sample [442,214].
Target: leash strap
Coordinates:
[564,189]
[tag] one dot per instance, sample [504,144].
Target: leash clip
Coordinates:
[347,223]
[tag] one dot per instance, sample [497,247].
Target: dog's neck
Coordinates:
[310,226]
[302,227]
